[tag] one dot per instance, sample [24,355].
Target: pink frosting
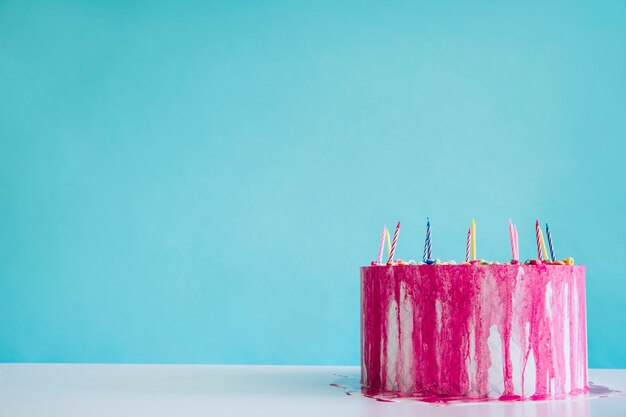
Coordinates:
[438,320]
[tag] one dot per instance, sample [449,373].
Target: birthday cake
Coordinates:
[477,329]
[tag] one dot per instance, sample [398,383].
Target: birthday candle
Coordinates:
[427,243]
[538,235]
[382,245]
[512,238]
[395,240]
[543,246]
[550,243]
[467,246]
[516,242]
[388,241]
[473,240]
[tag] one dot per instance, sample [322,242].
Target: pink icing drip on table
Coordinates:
[452,309]
[352,387]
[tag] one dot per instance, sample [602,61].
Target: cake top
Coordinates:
[398,262]
[470,249]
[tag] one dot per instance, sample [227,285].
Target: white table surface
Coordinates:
[69,390]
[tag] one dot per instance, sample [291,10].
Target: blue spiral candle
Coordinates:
[550,243]
[427,244]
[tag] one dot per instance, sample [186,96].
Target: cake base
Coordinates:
[499,331]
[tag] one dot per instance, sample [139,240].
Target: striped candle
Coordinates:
[473,240]
[395,241]
[468,245]
[550,243]
[512,238]
[538,235]
[427,243]
[388,241]
[382,246]
[516,242]
[543,246]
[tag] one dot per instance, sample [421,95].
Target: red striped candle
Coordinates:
[393,244]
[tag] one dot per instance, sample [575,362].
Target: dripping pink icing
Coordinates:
[432,329]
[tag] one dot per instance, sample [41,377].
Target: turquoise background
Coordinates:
[200,183]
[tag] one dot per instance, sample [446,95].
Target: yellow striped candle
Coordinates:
[543,246]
